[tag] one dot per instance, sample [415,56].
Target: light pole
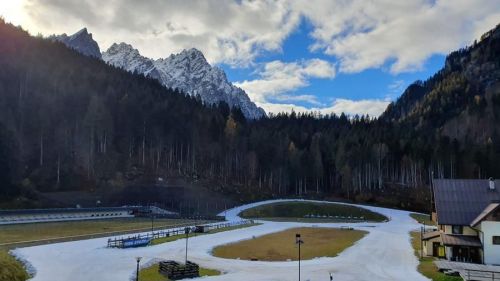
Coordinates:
[138,259]
[298,241]
[152,223]
[421,242]
[186,230]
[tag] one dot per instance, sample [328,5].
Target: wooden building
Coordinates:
[467,213]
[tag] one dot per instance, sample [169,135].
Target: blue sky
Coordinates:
[375,83]
[330,56]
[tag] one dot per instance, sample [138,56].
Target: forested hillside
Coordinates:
[70,122]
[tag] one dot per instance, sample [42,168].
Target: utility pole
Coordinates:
[186,230]
[298,241]
[138,259]
[421,242]
[431,189]
[152,224]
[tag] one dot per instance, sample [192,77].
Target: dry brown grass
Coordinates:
[76,230]
[11,269]
[318,242]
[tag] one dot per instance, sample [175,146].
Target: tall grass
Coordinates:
[11,269]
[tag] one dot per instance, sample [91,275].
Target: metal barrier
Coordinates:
[480,275]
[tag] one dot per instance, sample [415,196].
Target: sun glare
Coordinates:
[12,11]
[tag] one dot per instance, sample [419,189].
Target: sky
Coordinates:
[328,56]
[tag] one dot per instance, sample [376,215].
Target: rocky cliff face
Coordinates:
[462,100]
[82,42]
[187,71]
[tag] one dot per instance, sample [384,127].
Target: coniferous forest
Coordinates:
[70,122]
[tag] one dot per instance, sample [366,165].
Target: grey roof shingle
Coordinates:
[489,209]
[459,202]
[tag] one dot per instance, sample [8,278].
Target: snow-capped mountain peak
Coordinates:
[125,56]
[193,53]
[188,71]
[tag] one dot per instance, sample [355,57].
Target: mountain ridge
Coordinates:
[81,41]
[187,71]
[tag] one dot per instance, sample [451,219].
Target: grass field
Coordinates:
[296,211]
[318,242]
[181,236]
[151,273]
[426,265]
[11,269]
[423,219]
[63,231]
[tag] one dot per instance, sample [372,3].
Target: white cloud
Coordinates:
[397,85]
[233,32]
[360,34]
[372,107]
[369,34]
[278,79]
[395,88]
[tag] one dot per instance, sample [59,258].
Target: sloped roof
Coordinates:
[430,235]
[460,240]
[459,202]
[491,208]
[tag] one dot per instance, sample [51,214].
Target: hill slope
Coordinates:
[461,101]
[72,122]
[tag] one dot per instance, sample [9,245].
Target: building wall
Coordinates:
[467,230]
[491,252]
[428,245]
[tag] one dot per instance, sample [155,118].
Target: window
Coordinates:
[457,229]
[496,240]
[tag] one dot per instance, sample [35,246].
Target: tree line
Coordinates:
[70,122]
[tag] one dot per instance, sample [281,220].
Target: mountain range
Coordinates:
[187,71]
[71,122]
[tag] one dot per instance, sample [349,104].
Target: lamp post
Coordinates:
[152,223]
[187,230]
[422,230]
[138,259]
[298,241]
